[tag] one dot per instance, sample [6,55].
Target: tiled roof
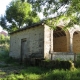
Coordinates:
[27,27]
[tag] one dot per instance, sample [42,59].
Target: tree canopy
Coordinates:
[60,9]
[18,15]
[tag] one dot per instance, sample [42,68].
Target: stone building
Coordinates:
[40,41]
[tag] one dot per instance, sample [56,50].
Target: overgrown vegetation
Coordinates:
[57,64]
[4,56]
[4,46]
[78,61]
[4,39]
[36,73]
[42,73]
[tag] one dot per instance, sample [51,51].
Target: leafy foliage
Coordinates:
[18,15]
[78,60]
[70,9]
[4,39]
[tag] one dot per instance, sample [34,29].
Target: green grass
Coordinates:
[2,73]
[36,73]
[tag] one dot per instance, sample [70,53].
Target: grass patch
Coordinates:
[37,73]
[1,73]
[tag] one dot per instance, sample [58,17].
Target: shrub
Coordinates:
[37,73]
[4,39]
[57,64]
[78,61]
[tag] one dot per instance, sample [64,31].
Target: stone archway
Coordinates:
[76,42]
[68,40]
[74,36]
[59,40]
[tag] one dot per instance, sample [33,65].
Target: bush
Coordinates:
[4,39]
[4,55]
[56,64]
[78,61]
[37,73]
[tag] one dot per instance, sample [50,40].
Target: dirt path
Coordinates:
[7,69]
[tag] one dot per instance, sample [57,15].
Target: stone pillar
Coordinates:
[71,42]
[51,42]
[68,40]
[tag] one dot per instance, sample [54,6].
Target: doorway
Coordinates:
[23,49]
[59,40]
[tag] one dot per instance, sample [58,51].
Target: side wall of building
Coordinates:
[35,42]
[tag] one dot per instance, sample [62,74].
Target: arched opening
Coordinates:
[59,40]
[76,42]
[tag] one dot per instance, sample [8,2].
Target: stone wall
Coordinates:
[35,40]
[48,43]
[62,56]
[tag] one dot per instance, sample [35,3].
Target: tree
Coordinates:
[18,15]
[2,38]
[60,9]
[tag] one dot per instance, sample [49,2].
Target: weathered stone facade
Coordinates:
[40,41]
[34,42]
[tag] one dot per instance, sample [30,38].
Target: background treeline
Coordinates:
[4,39]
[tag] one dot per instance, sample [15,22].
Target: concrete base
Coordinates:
[62,56]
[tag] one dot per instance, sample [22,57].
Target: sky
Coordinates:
[3,4]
